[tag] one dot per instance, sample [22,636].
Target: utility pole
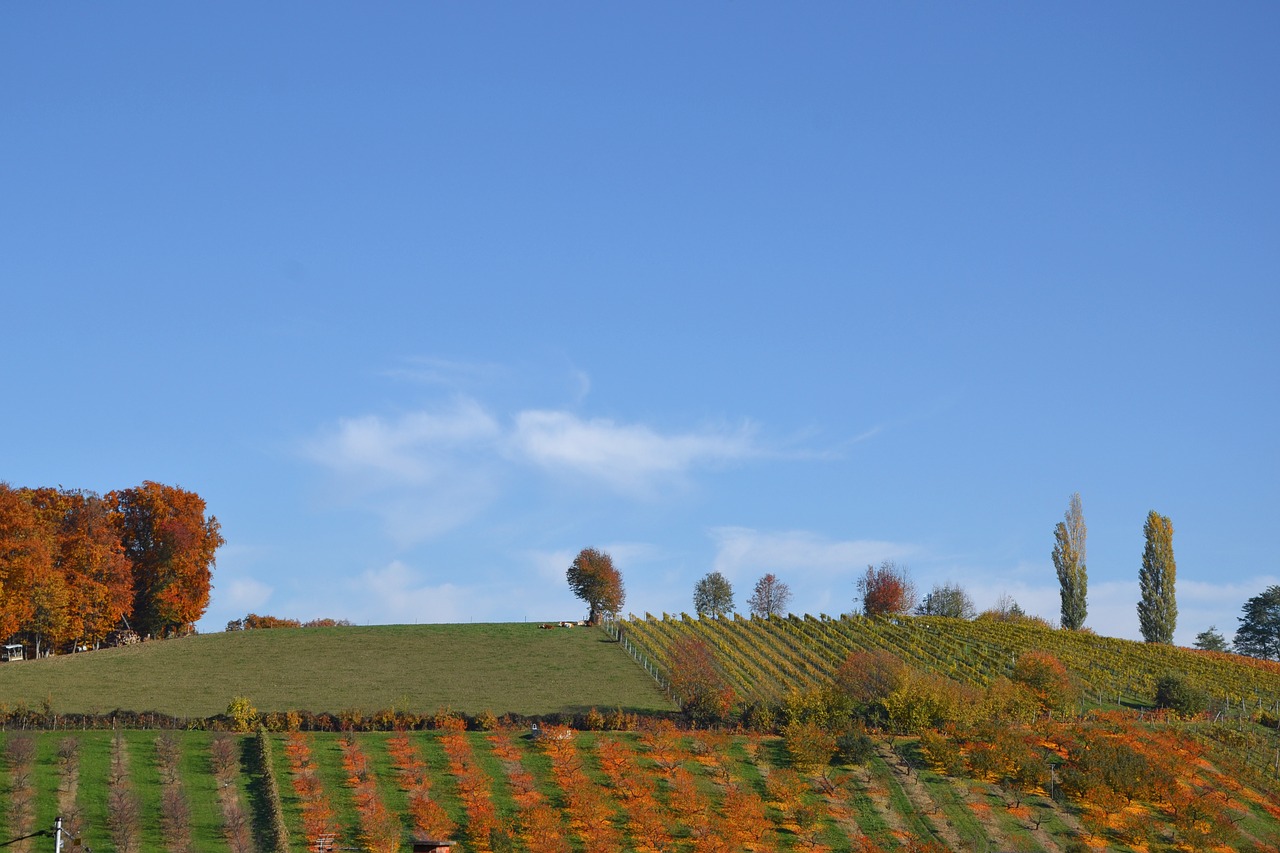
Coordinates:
[57,835]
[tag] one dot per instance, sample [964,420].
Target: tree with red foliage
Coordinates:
[696,681]
[886,590]
[170,544]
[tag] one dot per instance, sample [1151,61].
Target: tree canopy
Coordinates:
[75,566]
[1259,632]
[171,545]
[1069,560]
[593,578]
[713,595]
[1158,609]
[886,589]
[770,597]
[947,600]
[1211,640]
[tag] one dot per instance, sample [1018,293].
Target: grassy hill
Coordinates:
[514,667]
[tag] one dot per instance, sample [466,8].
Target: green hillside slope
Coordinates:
[515,667]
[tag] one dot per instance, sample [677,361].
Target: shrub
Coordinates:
[1174,692]
[619,720]
[854,746]
[243,716]
[593,721]
[869,677]
[759,717]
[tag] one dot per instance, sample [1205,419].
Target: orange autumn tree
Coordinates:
[1047,679]
[170,544]
[26,558]
[92,561]
[593,578]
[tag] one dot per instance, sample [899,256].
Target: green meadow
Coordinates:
[509,667]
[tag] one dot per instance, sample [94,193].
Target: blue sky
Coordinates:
[424,298]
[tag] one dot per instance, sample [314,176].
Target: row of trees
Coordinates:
[75,565]
[1158,607]
[887,589]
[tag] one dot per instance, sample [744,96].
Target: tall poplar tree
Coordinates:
[1069,560]
[1158,609]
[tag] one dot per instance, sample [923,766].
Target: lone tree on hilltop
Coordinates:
[1069,560]
[1259,632]
[713,596]
[770,598]
[1158,609]
[947,600]
[593,578]
[886,589]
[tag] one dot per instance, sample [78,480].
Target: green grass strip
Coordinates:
[957,813]
[200,787]
[144,777]
[865,814]
[916,823]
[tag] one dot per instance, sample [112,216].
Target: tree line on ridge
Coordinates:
[76,566]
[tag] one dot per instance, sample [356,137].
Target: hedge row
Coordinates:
[310,721]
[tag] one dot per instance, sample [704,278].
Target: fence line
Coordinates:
[612,628]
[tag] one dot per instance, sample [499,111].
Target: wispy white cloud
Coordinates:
[407,449]
[443,372]
[245,594]
[743,552]
[429,471]
[399,592]
[629,458]
[423,472]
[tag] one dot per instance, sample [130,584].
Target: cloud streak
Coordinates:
[743,552]
[631,459]
[409,449]
[430,471]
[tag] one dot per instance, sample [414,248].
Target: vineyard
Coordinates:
[766,659]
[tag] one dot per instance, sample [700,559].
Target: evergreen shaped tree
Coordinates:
[1259,632]
[1069,560]
[1158,609]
